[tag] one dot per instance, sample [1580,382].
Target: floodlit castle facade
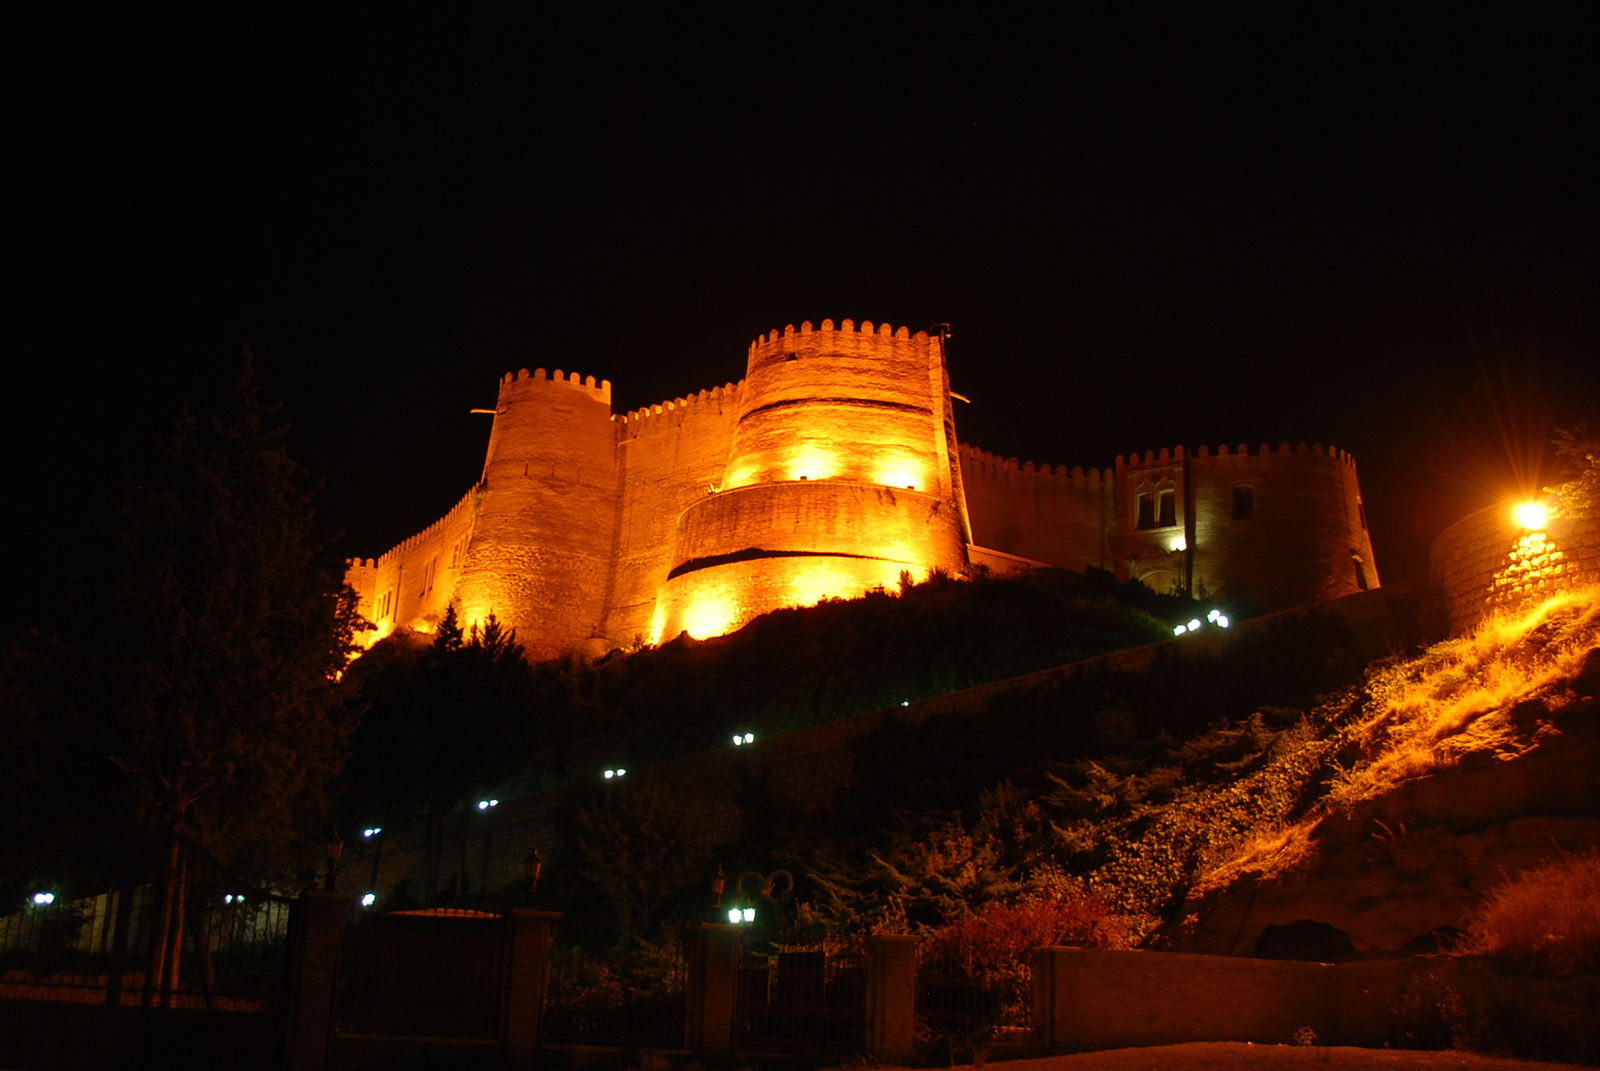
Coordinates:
[830,469]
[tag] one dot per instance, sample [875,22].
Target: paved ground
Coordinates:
[1227,1055]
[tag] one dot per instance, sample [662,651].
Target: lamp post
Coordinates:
[531,868]
[335,849]
[718,884]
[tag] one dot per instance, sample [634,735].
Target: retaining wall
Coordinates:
[1485,563]
[1088,999]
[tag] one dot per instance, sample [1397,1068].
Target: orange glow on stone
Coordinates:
[710,615]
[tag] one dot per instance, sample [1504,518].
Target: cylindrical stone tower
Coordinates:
[841,475]
[541,549]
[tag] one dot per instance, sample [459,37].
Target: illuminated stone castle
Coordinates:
[828,470]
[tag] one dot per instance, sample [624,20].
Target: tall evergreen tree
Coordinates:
[224,636]
[211,680]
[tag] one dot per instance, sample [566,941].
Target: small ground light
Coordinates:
[905,702]
[737,739]
[1194,625]
[749,914]
[369,899]
[1213,615]
[1222,620]
[44,899]
[749,738]
[610,774]
[1179,630]
[373,832]
[484,805]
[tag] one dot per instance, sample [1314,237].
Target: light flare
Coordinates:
[1531,515]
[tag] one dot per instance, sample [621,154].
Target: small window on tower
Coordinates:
[1146,516]
[1361,574]
[1169,510]
[1244,503]
[1361,511]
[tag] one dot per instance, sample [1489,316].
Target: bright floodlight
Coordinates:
[1180,544]
[1531,515]
[749,738]
[1194,625]
[369,899]
[749,914]
[610,774]
[734,914]
[44,898]
[1179,630]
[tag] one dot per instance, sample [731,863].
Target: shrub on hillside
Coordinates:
[1547,920]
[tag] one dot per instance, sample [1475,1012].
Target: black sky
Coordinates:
[1146,229]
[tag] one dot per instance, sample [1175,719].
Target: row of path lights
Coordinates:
[612,775]
[1215,617]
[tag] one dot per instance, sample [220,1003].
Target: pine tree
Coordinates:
[219,647]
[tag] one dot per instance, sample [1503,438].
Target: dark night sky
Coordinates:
[1150,229]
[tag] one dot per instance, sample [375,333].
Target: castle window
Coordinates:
[1156,509]
[1361,574]
[1361,511]
[1244,503]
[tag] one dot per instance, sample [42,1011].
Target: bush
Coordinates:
[1547,920]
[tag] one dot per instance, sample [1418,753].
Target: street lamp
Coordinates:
[531,867]
[718,883]
[335,848]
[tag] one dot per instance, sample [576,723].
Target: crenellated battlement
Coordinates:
[728,393]
[846,338]
[983,460]
[1165,456]
[400,550]
[525,380]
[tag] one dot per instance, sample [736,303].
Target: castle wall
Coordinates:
[839,477]
[828,470]
[669,456]
[1034,512]
[799,542]
[413,583]
[1306,538]
[541,553]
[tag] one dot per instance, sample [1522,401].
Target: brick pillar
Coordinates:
[1053,973]
[891,997]
[713,980]
[316,939]
[529,938]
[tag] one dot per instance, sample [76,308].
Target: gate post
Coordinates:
[530,935]
[891,996]
[316,937]
[713,982]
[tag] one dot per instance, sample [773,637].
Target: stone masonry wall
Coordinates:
[1485,563]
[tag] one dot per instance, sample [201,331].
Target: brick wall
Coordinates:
[1089,999]
[1485,563]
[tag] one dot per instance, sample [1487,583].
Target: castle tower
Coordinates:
[841,475]
[541,548]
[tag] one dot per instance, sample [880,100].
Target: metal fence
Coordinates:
[233,951]
[634,999]
[801,1001]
